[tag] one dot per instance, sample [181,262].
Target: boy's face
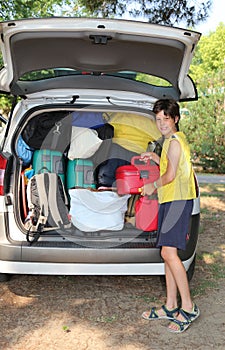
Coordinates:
[166,124]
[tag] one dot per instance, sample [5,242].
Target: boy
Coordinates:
[176,191]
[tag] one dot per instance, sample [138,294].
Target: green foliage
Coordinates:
[150,79]
[210,55]
[205,127]
[156,11]
[5,105]
[205,124]
[17,9]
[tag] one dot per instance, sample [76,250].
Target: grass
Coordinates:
[146,298]
[212,202]
[104,319]
[206,194]
[210,267]
[212,270]
[212,189]
[209,214]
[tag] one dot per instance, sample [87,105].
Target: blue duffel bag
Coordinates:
[24,151]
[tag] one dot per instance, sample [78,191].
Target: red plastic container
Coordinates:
[146,214]
[130,178]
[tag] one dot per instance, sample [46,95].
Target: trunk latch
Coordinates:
[100,39]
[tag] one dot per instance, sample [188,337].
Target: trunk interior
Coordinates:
[96,203]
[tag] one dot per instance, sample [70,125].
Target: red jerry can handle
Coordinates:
[138,160]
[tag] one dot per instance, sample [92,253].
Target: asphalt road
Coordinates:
[211,178]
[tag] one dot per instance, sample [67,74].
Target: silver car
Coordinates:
[58,68]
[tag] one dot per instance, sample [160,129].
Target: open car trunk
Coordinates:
[101,217]
[86,149]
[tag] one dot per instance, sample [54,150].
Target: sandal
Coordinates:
[182,326]
[189,317]
[153,315]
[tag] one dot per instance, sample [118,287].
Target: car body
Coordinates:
[69,65]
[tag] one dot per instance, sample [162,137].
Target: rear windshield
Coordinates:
[53,73]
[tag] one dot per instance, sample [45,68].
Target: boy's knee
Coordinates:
[168,253]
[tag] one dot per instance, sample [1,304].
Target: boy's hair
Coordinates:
[169,107]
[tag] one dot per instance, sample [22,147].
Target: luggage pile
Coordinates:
[76,174]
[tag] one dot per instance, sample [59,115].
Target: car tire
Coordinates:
[163,281]
[191,270]
[4,277]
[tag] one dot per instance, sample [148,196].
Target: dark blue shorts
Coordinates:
[173,223]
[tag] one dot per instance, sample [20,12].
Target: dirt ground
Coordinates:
[99,313]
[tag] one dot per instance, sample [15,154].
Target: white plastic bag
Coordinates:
[84,143]
[95,211]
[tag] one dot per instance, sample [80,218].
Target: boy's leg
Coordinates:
[179,277]
[171,288]
[171,300]
[178,272]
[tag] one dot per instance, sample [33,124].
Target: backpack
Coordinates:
[47,202]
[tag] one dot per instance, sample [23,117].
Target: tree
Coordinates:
[210,55]
[205,130]
[17,9]
[205,124]
[168,12]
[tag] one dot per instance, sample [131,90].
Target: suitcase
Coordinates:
[130,178]
[49,161]
[146,213]
[80,173]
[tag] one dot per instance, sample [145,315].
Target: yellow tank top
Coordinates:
[183,186]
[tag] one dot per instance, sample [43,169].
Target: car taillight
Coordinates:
[3,163]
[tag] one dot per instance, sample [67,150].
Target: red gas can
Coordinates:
[146,213]
[130,178]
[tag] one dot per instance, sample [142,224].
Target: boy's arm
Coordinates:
[173,156]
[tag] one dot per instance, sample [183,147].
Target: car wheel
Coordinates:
[190,271]
[163,281]
[4,277]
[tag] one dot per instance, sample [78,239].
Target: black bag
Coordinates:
[47,202]
[106,172]
[105,133]
[156,146]
[50,130]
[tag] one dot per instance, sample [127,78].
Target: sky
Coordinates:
[217,15]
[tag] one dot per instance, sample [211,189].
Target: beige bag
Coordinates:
[84,143]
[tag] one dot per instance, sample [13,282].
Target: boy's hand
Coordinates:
[147,189]
[150,155]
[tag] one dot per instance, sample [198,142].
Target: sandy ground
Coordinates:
[99,313]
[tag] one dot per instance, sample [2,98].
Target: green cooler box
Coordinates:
[50,161]
[80,173]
